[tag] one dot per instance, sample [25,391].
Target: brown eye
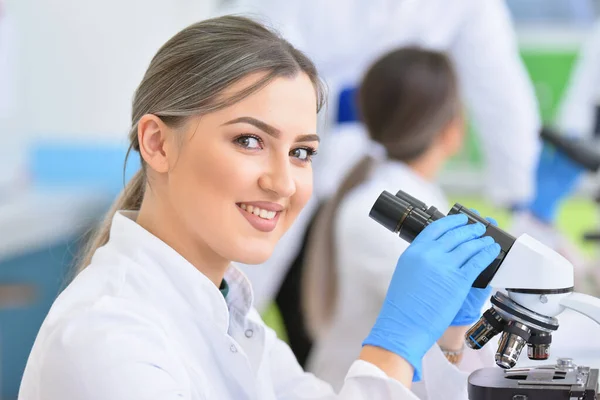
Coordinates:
[249,142]
[303,154]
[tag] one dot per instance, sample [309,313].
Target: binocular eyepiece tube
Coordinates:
[407,217]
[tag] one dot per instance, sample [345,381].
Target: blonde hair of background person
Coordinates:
[408,101]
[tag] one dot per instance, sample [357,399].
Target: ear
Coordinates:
[153,143]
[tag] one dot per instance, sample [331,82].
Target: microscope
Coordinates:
[538,286]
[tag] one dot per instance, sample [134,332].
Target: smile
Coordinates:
[264,218]
[259,212]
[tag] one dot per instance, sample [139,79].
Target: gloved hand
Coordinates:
[470,311]
[431,281]
[556,177]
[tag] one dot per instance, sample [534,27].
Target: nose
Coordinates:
[279,179]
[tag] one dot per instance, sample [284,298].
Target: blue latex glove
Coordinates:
[432,279]
[556,177]
[470,311]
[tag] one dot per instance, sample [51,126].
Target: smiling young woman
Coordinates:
[225,123]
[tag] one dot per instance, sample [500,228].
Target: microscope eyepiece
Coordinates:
[390,211]
[403,214]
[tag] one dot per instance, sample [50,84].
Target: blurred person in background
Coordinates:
[344,38]
[414,119]
[225,123]
[578,117]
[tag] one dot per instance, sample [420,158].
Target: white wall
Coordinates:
[74,65]
[81,60]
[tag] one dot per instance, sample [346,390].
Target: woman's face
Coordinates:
[241,175]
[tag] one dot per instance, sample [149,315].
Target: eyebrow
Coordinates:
[269,129]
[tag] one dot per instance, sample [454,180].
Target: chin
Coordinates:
[255,256]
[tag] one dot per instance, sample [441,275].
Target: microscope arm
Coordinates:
[584,304]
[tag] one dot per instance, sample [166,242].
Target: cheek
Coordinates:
[304,188]
[207,182]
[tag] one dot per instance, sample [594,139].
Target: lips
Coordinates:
[261,215]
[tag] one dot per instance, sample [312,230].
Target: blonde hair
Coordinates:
[187,76]
[406,99]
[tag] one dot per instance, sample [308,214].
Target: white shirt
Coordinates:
[344,37]
[142,323]
[366,259]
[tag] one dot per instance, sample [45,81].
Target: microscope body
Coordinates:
[535,284]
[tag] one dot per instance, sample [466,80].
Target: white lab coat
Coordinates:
[577,112]
[366,258]
[343,37]
[142,323]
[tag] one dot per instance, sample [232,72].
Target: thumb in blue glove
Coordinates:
[432,279]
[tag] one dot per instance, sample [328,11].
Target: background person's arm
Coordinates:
[501,100]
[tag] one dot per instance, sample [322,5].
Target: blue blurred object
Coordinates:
[90,165]
[576,13]
[347,106]
[556,177]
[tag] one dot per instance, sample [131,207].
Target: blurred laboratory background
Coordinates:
[68,71]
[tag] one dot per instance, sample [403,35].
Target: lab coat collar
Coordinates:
[203,297]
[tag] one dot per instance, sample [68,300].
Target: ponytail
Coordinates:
[129,199]
[319,278]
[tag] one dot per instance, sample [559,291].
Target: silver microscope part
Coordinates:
[511,344]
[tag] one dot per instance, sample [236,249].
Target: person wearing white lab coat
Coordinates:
[345,36]
[411,107]
[225,123]
[578,117]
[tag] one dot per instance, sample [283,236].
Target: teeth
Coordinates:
[258,211]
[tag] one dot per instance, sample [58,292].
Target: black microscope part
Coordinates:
[495,384]
[408,216]
[390,211]
[524,317]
